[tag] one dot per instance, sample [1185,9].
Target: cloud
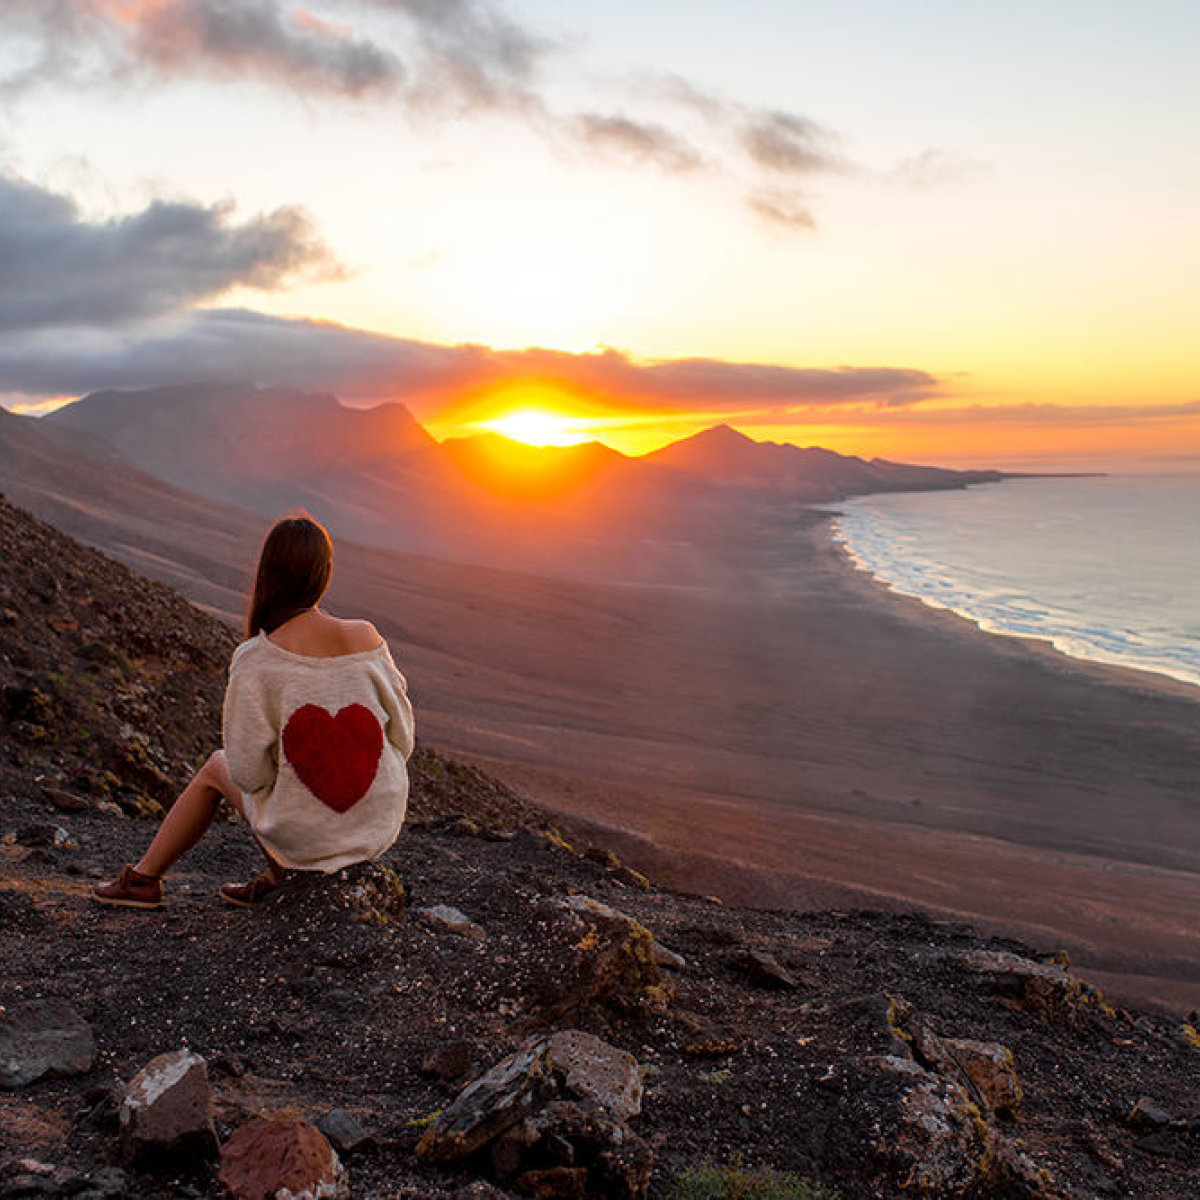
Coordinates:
[786,211]
[253,39]
[220,344]
[473,56]
[447,56]
[111,42]
[58,269]
[635,140]
[938,168]
[788,144]
[981,416]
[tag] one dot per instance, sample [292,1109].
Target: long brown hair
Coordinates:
[293,573]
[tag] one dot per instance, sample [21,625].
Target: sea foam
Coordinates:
[1105,569]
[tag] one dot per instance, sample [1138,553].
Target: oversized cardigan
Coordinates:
[318,747]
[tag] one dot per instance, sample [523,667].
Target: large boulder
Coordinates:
[593,953]
[281,1160]
[43,1038]
[167,1109]
[553,1116]
[1045,988]
[917,1110]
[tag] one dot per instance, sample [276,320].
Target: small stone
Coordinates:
[712,1043]
[66,801]
[1145,1114]
[764,971]
[1159,1142]
[44,835]
[167,1109]
[43,1038]
[266,1158]
[452,919]
[668,958]
[344,1132]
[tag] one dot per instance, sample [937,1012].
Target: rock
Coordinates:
[569,1144]
[922,1133]
[985,1069]
[1045,988]
[281,1160]
[668,958]
[167,1109]
[66,801]
[1159,1142]
[43,1038]
[448,1062]
[453,920]
[593,953]
[44,835]
[712,1041]
[565,1065]
[344,1132]
[1145,1114]
[763,970]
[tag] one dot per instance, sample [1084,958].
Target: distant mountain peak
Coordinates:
[717,434]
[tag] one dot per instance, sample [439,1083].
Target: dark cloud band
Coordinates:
[220,344]
[58,269]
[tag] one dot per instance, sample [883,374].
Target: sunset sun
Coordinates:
[536,427]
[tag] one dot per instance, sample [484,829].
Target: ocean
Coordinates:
[1106,568]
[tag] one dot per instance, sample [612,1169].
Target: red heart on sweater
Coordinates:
[335,757]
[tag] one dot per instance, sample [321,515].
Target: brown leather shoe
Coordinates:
[131,889]
[245,895]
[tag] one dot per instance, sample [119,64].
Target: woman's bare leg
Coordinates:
[191,815]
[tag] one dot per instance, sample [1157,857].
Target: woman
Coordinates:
[317,729]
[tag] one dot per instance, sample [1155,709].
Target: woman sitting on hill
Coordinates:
[317,729]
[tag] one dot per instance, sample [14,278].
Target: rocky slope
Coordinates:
[625,1040]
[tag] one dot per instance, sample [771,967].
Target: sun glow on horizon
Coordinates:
[536,427]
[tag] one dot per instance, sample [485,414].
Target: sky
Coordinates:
[922,230]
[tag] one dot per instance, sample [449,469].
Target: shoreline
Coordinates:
[1105,673]
[1188,682]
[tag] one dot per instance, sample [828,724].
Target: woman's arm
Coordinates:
[400,727]
[250,736]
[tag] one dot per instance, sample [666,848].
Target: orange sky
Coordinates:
[944,233]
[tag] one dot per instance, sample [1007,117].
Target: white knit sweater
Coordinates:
[318,747]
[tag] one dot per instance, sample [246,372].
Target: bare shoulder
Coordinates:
[359,635]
